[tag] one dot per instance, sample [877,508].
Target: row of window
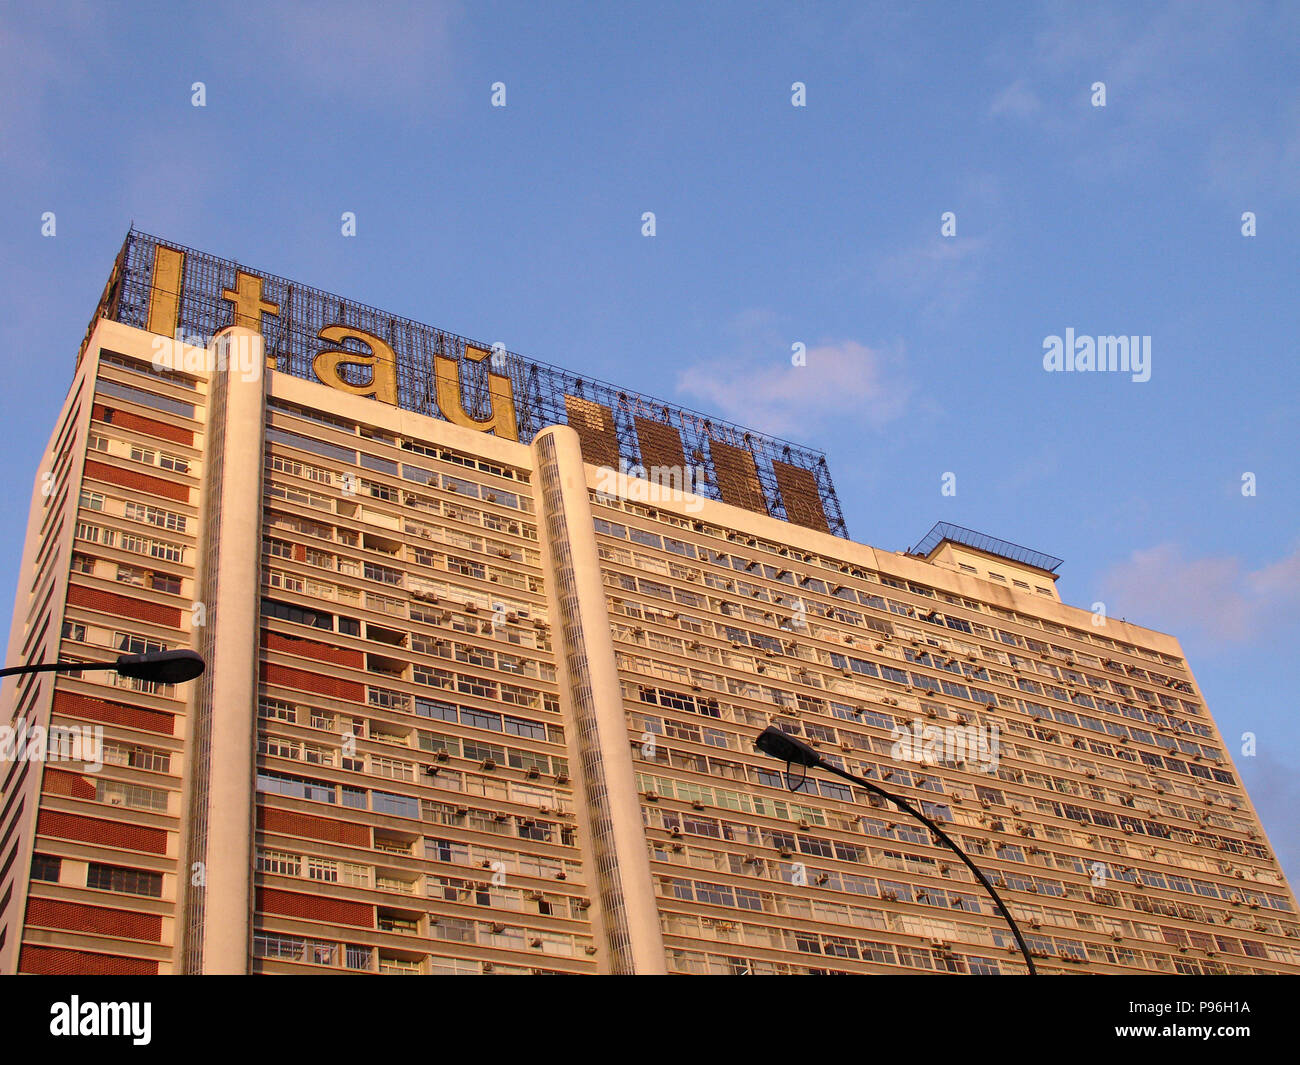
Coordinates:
[368,432]
[350,484]
[802,609]
[788,555]
[102,877]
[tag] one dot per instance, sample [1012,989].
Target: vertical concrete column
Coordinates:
[233,537]
[628,915]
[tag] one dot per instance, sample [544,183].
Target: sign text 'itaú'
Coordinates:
[177,292]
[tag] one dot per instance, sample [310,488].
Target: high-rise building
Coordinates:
[488,646]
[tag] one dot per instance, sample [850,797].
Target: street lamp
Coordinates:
[162,667]
[772,741]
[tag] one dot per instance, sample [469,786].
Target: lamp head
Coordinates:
[775,743]
[162,667]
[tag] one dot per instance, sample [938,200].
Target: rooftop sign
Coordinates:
[178,292]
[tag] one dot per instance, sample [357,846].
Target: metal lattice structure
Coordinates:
[990,545]
[541,391]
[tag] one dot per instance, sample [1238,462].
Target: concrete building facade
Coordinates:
[481,700]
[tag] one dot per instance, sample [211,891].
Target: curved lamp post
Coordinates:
[772,741]
[162,667]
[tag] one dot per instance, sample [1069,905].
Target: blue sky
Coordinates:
[774,225]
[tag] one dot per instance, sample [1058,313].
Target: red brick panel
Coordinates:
[60,961]
[141,482]
[139,424]
[72,705]
[315,908]
[58,782]
[124,605]
[97,830]
[313,682]
[323,828]
[340,656]
[96,920]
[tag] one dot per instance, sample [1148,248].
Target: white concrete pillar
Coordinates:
[627,912]
[232,558]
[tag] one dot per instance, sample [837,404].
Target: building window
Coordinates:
[165,519]
[165,582]
[124,880]
[46,867]
[128,643]
[278,862]
[323,869]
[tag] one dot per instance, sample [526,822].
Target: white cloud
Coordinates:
[383,54]
[1212,597]
[1163,67]
[1017,99]
[1247,161]
[841,379]
[941,271]
[1144,57]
